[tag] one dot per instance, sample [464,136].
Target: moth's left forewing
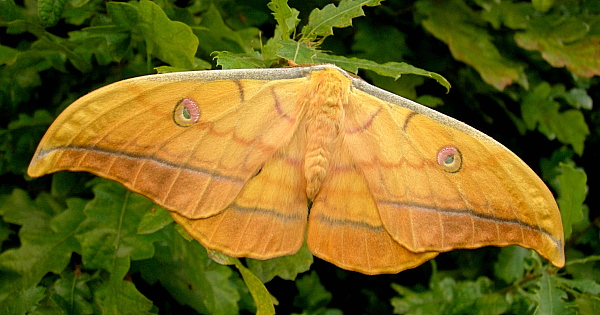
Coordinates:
[490,198]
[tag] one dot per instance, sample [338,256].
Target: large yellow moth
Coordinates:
[239,156]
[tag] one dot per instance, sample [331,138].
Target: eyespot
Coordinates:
[449,159]
[186,113]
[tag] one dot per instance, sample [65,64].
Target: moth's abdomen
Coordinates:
[325,99]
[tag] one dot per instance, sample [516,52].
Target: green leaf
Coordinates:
[510,266]
[220,258]
[286,17]
[312,295]
[454,23]
[587,304]
[50,11]
[260,294]
[108,235]
[572,194]
[302,54]
[539,108]
[572,42]
[47,240]
[551,300]
[5,231]
[297,52]
[372,39]
[193,279]
[579,98]
[549,166]
[125,15]
[154,220]
[171,41]
[22,301]
[582,285]
[321,21]
[430,101]
[8,55]
[47,51]
[228,60]
[447,296]
[542,5]
[39,118]
[106,43]
[513,15]
[19,140]
[72,293]
[66,184]
[286,267]
[121,297]
[389,69]
[217,36]
[9,11]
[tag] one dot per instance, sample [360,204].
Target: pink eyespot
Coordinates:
[186,112]
[449,159]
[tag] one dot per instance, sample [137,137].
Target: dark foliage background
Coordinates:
[524,72]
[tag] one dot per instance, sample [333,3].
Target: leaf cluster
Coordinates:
[524,72]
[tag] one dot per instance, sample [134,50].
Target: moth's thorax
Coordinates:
[324,100]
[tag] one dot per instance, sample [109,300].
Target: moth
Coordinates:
[254,162]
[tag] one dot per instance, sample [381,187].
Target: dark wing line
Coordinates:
[471,213]
[241,90]
[265,211]
[347,223]
[407,120]
[278,107]
[141,158]
[366,125]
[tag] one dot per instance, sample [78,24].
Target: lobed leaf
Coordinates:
[286,267]
[47,239]
[228,60]
[573,191]
[447,296]
[312,295]
[322,21]
[286,17]
[303,54]
[154,220]
[171,41]
[218,36]
[510,266]
[193,279]
[565,42]
[454,23]
[540,109]
[50,11]
[71,292]
[22,301]
[260,294]
[108,235]
[121,297]
[551,300]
